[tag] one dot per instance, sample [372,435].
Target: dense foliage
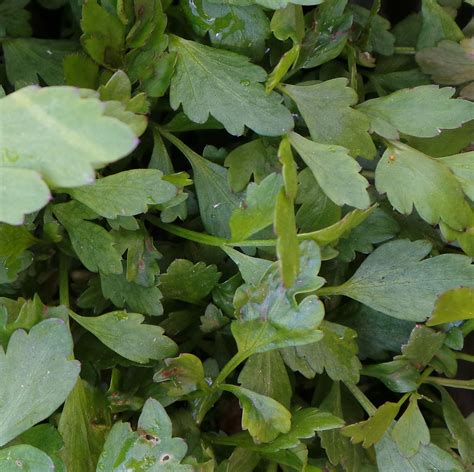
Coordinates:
[236,235]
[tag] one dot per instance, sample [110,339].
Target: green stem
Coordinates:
[364,402]
[464,357]
[467,327]
[328,291]
[455,383]
[404,50]
[63,279]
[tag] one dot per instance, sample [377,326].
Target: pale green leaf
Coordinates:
[256,211]
[411,431]
[127,193]
[462,166]
[453,305]
[34,121]
[252,269]
[423,344]
[334,170]
[37,376]
[265,373]
[413,179]
[24,457]
[187,281]
[155,451]
[125,334]
[273,4]
[326,109]
[394,279]
[225,85]
[419,111]
[262,416]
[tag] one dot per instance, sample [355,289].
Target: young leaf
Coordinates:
[370,431]
[411,178]
[38,365]
[187,282]
[256,211]
[453,305]
[153,446]
[265,373]
[411,431]
[420,111]
[264,417]
[84,423]
[125,334]
[335,171]
[395,281]
[326,109]
[336,353]
[252,269]
[423,345]
[229,90]
[268,316]
[25,457]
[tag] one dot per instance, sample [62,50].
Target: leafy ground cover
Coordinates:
[236,235]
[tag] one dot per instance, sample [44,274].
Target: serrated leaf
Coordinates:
[326,109]
[396,281]
[369,432]
[336,353]
[199,280]
[127,193]
[334,170]
[423,345]
[453,305]
[28,60]
[265,373]
[26,457]
[38,365]
[229,90]
[268,316]
[152,446]
[125,334]
[256,211]
[411,431]
[264,417]
[419,111]
[413,179]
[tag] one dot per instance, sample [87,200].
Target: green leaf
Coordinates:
[453,305]
[437,25]
[370,431]
[216,199]
[153,448]
[38,365]
[127,193]
[14,240]
[273,4]
[268,316]
[229,90]
[449,63]
[423,345]
[411,178]
[103,34]
[84,423]
[28,59]
[336,353]
[326,109]
[57,117]
[256,211]
[14,19]
[411,431]
[288,23]
[395,281]
[187,281]
[334,170]
[458,427]
[252,269]
[262,416]
[125,334]
[24,457]
[137,298]
[182,375]
[420,111]
[265,373]
[80,71]
[399,376]
[462,167]
[94,246]
[429,457]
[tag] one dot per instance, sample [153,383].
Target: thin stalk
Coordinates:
[328,291]
[359,395]
[63,279]
[467,327]
[455,383]
[464,357]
